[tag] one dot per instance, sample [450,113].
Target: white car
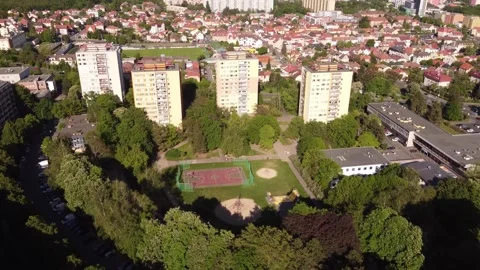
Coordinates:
[470,130]
[396,139]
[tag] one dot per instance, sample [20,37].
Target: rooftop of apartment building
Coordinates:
[97,47]
[154,64]
[37,78]
[325,67]
[75,125]
[357,156]
[233,55]
[12,70]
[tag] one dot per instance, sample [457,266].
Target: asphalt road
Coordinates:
[29,181]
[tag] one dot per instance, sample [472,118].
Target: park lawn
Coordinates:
[187,148]
[191,53]
[279,185]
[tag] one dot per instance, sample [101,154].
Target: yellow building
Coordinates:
[471,22]
[319,5]
[157,89]
[236,77]
[324,92]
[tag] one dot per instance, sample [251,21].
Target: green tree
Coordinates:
[263,248]
[434,113]
[453,111]
[392,238]
[379,85]
[319,168]
[415,75]
[43,109]
[48,35]
[11,135]
[39,224]
[207,7]
[135,130]
[295,128]
[269,66]
[303,209]
[259,121]
[342,131]
[364,22]
[267,135]
[234,137]
[368,139]
[370,43]
[309,142]
[165,136]
[262,50]
[184,242]
[132,157]
[417,103]
[284,49]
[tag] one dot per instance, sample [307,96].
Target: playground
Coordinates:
[279,180]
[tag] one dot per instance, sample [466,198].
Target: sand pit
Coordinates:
[238,211]
[266,173]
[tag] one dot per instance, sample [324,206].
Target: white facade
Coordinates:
[237,82]
[324,93]
[362,170]
[14,74]
[100,69]
[243,5]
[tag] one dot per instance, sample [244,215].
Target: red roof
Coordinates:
[437,76]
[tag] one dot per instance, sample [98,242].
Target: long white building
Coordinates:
[100,69]
[324,92]
[243,5]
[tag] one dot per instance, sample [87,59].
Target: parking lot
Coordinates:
[76,227]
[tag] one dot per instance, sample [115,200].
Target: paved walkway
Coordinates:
[283,152]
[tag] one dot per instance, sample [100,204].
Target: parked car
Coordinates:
[68,217]
[396,139]
[470,130]
[391,148]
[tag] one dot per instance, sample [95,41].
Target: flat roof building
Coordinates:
[8,109]
[76,127]
[455,151]
[357,160]
[100,69]
[429,172]
[38,83]
[324,92]
[157,90]
[14,74]
[236,76]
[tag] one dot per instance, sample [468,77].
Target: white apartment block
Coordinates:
[324,93]
[100,69]
[242,5]
[236,77]
[157,90]
[319,5]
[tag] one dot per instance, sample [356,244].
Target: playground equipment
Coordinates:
[292,196]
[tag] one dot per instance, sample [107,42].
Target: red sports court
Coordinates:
[232,176]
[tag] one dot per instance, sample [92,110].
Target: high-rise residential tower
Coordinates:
[237,82]
[157,89]
[319,5]
[242,5]
[324,92]
[100,69]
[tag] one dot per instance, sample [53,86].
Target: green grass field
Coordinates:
[279,185]
[191,53]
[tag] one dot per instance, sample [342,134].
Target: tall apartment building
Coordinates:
[157,89]
[324,92]
[236,77]
[8,109]
[100,69]
[242,5]
[319,5]
[474,2]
